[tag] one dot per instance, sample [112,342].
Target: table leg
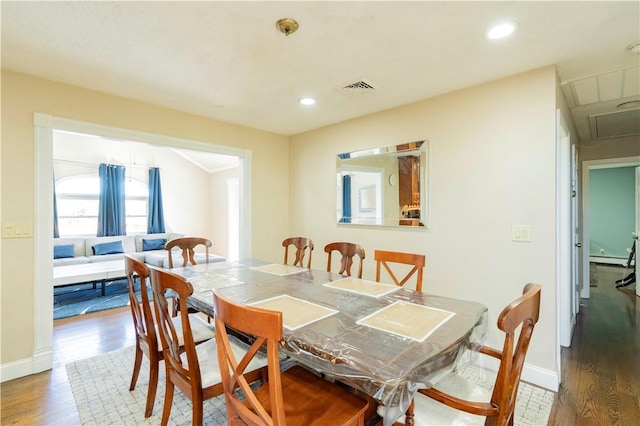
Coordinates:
[104,285]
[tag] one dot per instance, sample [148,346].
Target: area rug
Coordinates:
[80,299]
[100,386]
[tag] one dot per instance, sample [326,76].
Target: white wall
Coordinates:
[218,207]
[492,164]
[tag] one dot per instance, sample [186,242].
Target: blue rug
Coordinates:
[81,299]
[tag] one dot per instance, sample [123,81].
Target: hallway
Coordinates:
[601,369]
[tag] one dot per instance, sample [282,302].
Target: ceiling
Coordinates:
[227,60]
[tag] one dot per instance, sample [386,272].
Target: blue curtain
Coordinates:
[155,221]
[111,212]
[346,199]
[56,232]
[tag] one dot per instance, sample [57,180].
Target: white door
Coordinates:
[576,245]
[565,240]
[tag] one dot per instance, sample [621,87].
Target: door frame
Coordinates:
[564,236]
[44,125]
[586,166]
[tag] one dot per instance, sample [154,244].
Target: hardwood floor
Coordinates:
[600,377]
[46,398]
[601,369]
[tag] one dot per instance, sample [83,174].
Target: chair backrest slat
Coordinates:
[187,245]
[163,281]
[141,312]
[348,252]
[384,258]
[302,244]
[522,314]
[266,326]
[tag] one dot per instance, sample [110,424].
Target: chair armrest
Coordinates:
[473,407]
[478,408]
[490,351]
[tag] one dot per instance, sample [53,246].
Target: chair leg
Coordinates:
[151,390]
[198,411]
[168,402]
[136,368]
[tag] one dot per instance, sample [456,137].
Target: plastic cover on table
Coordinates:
[387,366]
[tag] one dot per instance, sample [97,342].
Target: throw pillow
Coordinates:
[62,251]
[153,244]
[108,248]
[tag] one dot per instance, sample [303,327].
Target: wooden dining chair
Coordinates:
[147,341]
[417,261]
[187,245]
[192,369]
[301,244]
[295,396]
[521,314]
[348,252]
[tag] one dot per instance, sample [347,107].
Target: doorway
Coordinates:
[44,126]
[587,166]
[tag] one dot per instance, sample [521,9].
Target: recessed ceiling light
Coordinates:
[501,30]
[634,48]
[629,104]
[307,101]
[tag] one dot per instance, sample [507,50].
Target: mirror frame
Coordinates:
[379,178]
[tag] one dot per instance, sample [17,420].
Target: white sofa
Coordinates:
[83,250]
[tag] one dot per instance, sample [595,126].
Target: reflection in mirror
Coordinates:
[383,186]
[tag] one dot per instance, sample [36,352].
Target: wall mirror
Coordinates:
[384,186]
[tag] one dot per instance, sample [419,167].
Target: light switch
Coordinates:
[17,230]
[521,233]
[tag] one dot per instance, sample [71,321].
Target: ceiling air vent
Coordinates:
[615,124]
[358,88]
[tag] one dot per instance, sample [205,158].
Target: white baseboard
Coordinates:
[16,369]
[541,377]
[609,260]
[25,367]
[532,374]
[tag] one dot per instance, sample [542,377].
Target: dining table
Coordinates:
[381,339]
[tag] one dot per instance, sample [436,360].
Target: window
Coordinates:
[77,198]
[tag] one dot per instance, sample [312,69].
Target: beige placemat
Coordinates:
[296,312]
[368,288]
[278,269]
[209,282]
[409,320]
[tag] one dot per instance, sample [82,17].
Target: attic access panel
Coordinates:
[615,124]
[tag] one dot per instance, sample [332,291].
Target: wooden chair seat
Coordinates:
[315,400]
